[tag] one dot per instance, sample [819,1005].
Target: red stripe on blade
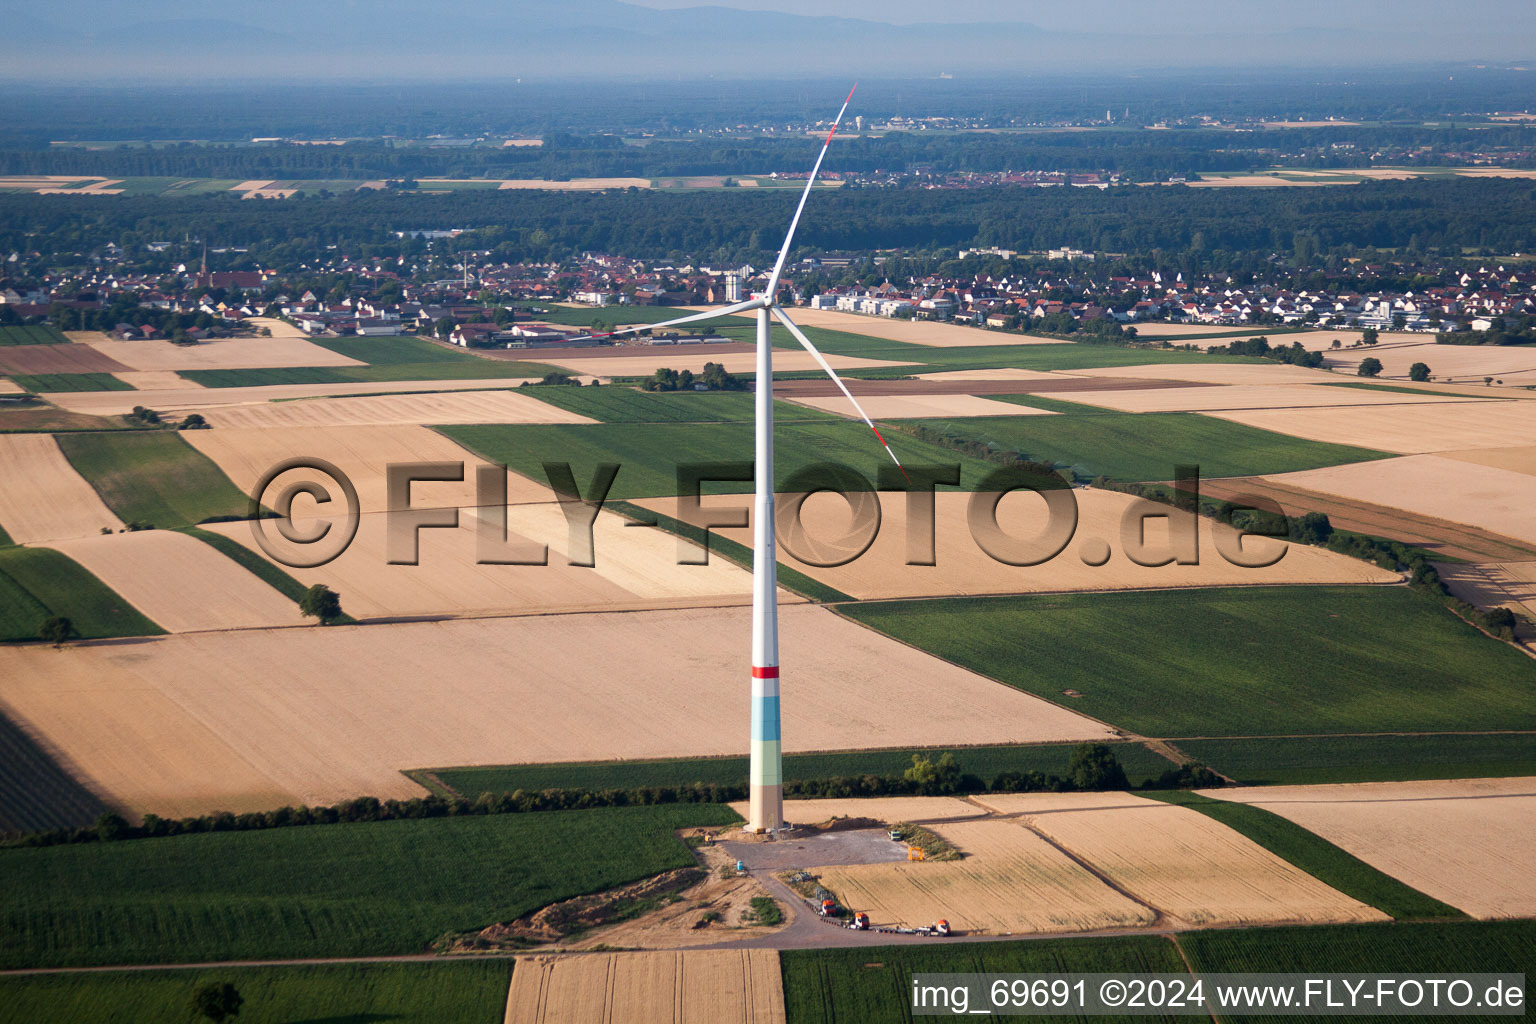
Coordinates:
[771,672]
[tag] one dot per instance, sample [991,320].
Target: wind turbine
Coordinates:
[767,774]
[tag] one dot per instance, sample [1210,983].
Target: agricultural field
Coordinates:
[983,762]
[38,334]
[651,454]
[648,988]
[153,477]
[909,332]
[1316,856]
[44,497]
[363,453]
[219,354]
[1403,429]
[1347,667]
[889,809]
[1147,446]
[371,888]
[1010,881]
[35,792]
[395,350]
[1497,500]
[889,407]
[632,568]
[873,985]
[1465,842]
[451,407]
[507,372]
[618,404]
[38,583]
[531,689]
[181,583]
[50,382]
[54,358]
[1223,398]
[824,526]
[442,993]
[1312,760]
[643,361]
[1183,863]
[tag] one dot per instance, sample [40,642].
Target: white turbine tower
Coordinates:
[767,774]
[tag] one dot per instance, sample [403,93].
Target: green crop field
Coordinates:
[1203,662]
[873,984]
[321,890]
[1317,857]
[618,404]
[470,368]
[651,453]
[1310,761]
[412,993]
[45,382]
[394,349]
[264,377]
[1425,949]
[36,583]
[1147,446]
[983,762]
[36,334]
[153,477]
[35,793]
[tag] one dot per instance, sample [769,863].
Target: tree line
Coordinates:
[1495,215]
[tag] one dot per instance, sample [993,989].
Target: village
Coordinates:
[489,304]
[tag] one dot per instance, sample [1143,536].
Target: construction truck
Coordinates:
[939,928]
[828,908]
[860,922]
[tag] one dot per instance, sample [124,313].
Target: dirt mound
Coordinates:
[569,917]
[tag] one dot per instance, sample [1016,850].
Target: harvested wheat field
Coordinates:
[56,359]
[186,396]
[1267,373]
[889,809]
[154,380]
[1179,861]
[451,407]
[1222,398]
[1448,364]
[1462,492]
[180,582]
[642,362]
[1509,585]
[914,332]
[1516,460]
[1253,181]
[573,185]
[963,567]
[10,387]
[634,569]
[1010,882]
[355,705]
[363,453]
[1319,340]
[43,498]
[895,407]
[1409,429]
[252,185]
[1465,842]
[136,747]
[695,987]
[220,354]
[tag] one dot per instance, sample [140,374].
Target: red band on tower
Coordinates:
[771,672]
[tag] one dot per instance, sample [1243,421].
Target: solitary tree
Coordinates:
[57,630]
[1418,371]
[217,1001]
[1368,335]
[1369,367]
[321,602]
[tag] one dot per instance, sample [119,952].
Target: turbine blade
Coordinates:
[778,266]
[826,366]
[709,314]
